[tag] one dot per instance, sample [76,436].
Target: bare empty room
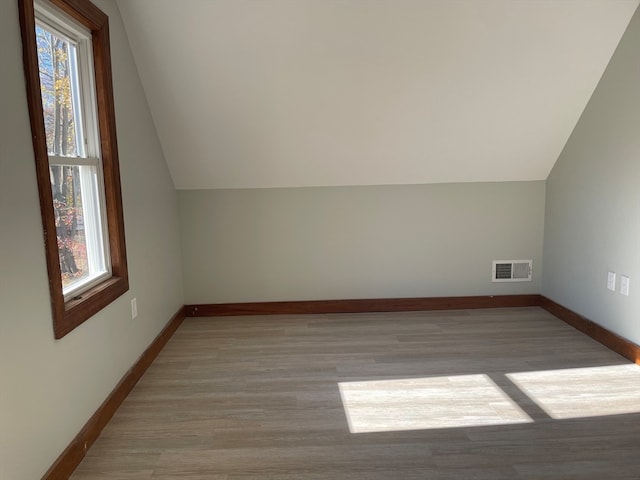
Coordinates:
[309,239]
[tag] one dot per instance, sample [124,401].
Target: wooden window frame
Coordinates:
[67,315]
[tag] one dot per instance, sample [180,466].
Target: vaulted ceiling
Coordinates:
[285,93]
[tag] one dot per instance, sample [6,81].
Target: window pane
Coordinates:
[78,225]
[57,60]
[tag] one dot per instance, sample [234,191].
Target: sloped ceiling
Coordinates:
[285,93]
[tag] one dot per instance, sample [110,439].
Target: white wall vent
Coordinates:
[511,270]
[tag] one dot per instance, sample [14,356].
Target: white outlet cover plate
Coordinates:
[624,285]
[611,281]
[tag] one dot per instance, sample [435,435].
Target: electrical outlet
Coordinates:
[134,308]
[624,285]
[611,281]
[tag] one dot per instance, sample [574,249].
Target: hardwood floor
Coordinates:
[480,394]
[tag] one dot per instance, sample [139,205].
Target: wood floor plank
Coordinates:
[247,398]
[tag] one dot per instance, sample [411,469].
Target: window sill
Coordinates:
[78,310]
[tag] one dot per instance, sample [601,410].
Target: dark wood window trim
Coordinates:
[68,315]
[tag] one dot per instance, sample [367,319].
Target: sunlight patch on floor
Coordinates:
[583,392]
[427,403]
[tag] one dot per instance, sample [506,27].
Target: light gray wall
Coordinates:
[592,221]
[357,242]
[49,388]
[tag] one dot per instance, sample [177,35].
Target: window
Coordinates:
[69,89]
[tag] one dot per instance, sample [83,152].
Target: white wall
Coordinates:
[592,222]
[49,388]
[358,242]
